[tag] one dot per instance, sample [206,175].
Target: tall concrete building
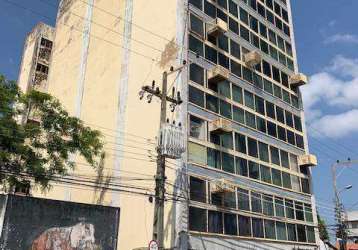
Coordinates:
[36,58]
[245,180]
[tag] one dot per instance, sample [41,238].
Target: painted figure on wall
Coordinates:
[76,237]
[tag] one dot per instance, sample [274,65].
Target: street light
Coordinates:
[345,188]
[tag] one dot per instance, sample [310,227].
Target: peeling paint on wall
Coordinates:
[169,54]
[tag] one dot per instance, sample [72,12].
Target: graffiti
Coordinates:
[77,237]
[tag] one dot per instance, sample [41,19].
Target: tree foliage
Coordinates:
[322,228]
[38,138]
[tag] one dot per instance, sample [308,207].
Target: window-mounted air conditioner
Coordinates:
[216,28]
[252,58]
[221,186]
[218,74]
[298,80]
[220,125]
[307,160]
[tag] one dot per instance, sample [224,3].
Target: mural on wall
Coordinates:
[40,224]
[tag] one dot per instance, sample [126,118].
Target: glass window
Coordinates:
[299,211]
[270,110]
[294,100]
[286,180]
[268,86]
[223,42]
[284,159]
[275,156]
[211,54]
[267,205]
[240,143]
[233,8]
[270,17]
[255,40]
[228,163]
[261,124]
[286,96]
[284,78]
[222,3]
[295,183]
[301,233]
[230,200]
[299,141]
[256,205]
[244,226]
[230,224]
[257,228]
[257,80]
[269,3]
[215,222]
[249,100]
[285,15]
[235,68]
[223,61]
[281,230]
[197,219]
[212,103]
[238,115]
[272,37]
[264,46]
[197,153]
[253,4]
[250,120]
[260,105]
[225,109]
[271,129]
[270,229]
[311,235]
[294,163]
[289,119]
[196,45]
[264,154]
[277,91]
[279,207]
[235,49]
[273,53]
[244,16]
[244,33]
[237,93]
[291,232]
[197,189]
[276,74]
[305,185]
[308,213]
[197,128]
[298,124]
[197,3]
[276,177]
[254,170]
[243,199]
[263,30]
[241,166]
[261,10]
[265,174]
[247,74]
[266,68]
[254,24]
[290,212]
[252,147]
[196,25]
[214,159]
[291,137]
[210,9]
[290,64]
[197,74]
[280,115]
[281,133]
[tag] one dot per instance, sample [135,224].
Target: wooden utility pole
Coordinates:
[158,222]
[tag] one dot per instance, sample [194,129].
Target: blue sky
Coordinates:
[327,42]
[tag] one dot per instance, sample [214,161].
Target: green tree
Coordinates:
[322,228]
[38,137]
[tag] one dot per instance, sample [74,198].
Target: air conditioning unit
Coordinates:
[221,186]
[216,28]
[252,58]
[220,125]
[218,74]
[307,160]
[298,80]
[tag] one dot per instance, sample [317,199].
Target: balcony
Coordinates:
[216,28]
[39,82]
[220,126]
[298,80]
[252,59]
[44,55]
[307,160]
[218,74]
[221,186]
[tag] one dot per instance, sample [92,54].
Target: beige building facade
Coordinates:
[244,182]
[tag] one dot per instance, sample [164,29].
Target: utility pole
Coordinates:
[341,231]
[158,221]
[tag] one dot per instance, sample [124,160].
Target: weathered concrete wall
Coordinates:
[39,224]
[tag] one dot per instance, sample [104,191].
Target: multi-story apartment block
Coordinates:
[244,182]
[36,57]
[352,225]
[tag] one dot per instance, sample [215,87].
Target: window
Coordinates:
[244,16]
[295,183]
[263,30]
[233,8]
[298,124]
[286,96]
[269,4]
[249,100]
[237,93]
[197,128]
[255,40]
[235,68]
[301,233]
[265,174]
[210,9]
[223,61]
[272,37]
[197,219]
[197,74]
[280,115]
[291,137]
[243,199]
[215,222]
[293,162]
[244,226]
[276,177]
[281,132]
[211,54]
[270,17]
[261,124]
[230,224]
[213,156]
[228,163]
[223,42]
[276,74]
[299,211]
[197,189]
[197,3]
[267,205]
[235,49]
[254,24]
[299,141]
[311,235]
[257,80]
[250,120]
[244,33]
[254,170]
[252,147]
[260,105]
[264,47]
[241,166]
[263,150]
[222,3]
[253,4]
[277,91]
[281,230]
[308,213]
[271,129]
[233,26]
[196,96]
[286,180]
[238,115]
[225,109]
[291,232]
[275,157]
[305,185]
[230,200]
[247,74]
[196,25]
[284,159]
[261,10]
[279,207]
[270,110]
[290,212]
[268,86]
[256,205]
[289,120]
[284,78]
[270,230]
[240,143]
[197,153]
[257,228]
[266,68]
[196,45]
[212,103]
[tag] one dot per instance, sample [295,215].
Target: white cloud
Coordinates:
[341,38]
[334,89]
